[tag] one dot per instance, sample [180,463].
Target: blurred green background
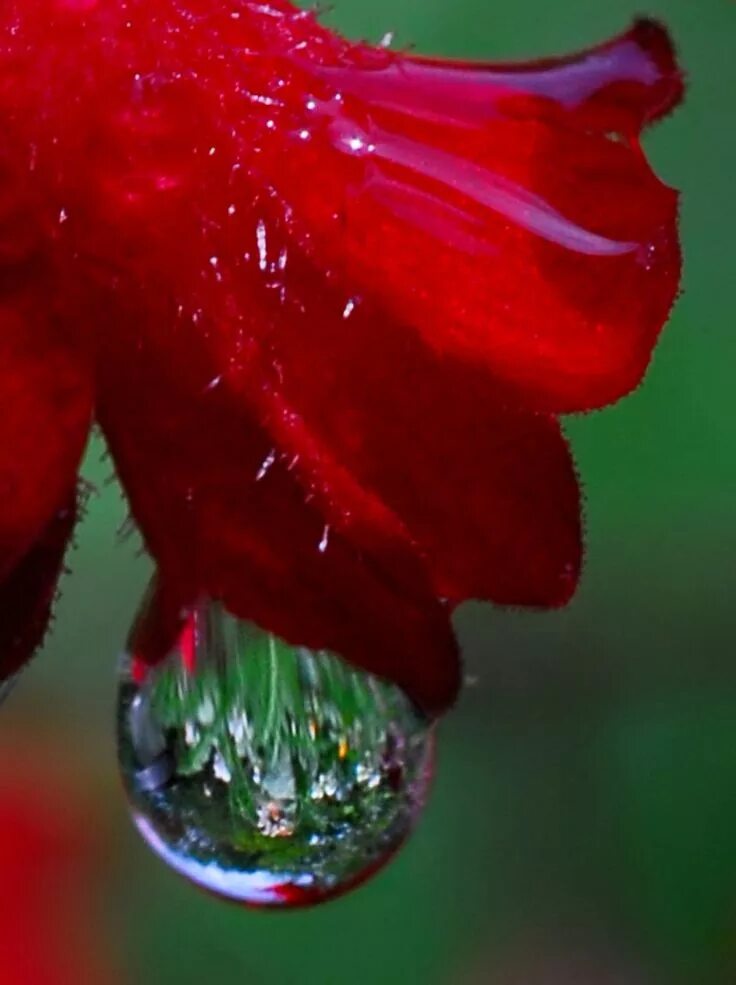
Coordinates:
[583,824]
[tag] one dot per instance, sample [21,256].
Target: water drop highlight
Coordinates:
[265,773]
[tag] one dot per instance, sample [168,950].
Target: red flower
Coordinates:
[51,928]
[324,301]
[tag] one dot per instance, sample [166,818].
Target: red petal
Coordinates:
[45,386]
[45,412]
[620,85]
[27,593]
[224,516]
[506,213]
[509,217]
[393,437]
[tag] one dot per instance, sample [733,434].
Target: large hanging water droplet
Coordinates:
[266,773]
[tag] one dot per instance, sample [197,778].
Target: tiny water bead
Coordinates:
[265,773]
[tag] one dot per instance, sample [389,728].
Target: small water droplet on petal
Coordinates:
[266,464]
[262,242]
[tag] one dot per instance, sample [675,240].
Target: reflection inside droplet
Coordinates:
[266,773]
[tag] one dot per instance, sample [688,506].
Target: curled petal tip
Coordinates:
[655,40]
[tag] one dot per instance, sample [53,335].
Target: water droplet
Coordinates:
[266,773]
[266,464]
[261,239]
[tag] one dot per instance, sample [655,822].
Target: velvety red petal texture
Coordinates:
[508,216]
[27,593]
[45,410]
[333,295]
[45,384]
[224,515]
[45,414]
[383,430]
